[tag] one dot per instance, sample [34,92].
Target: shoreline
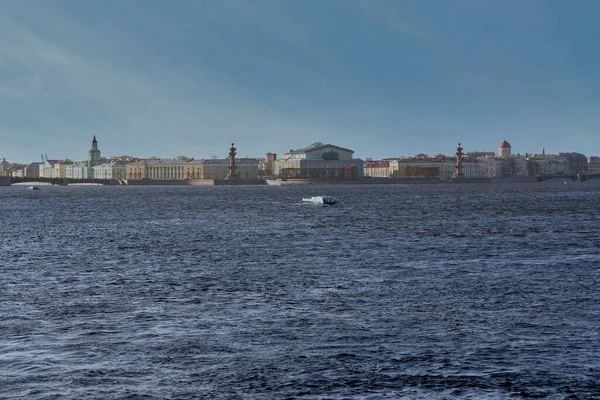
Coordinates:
[7,181]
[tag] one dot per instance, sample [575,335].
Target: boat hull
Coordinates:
[320,200]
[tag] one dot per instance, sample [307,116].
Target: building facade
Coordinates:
[218,169]
[319,161]
[377,169]
[594,165]
[110,170]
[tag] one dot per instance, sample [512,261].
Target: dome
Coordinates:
[505,145]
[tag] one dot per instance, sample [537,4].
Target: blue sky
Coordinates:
[385,78]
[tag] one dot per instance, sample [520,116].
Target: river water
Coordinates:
[398,291]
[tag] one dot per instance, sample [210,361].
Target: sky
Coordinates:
[385,78]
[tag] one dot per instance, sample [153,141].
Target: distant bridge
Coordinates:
[578,177]
[65,181]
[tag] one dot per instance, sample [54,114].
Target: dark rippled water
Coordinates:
[424,291]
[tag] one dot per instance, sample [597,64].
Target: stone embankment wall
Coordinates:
[515,179]
[5,181]
[194,182]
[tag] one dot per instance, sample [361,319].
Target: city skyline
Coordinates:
[477,153]
[386,79]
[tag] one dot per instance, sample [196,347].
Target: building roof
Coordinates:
[377,164]
[318,146]
[165,162]
[505,145]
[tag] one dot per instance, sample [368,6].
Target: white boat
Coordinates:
[33,188]
[319,200]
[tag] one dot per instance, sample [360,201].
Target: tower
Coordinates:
[504,150]
[459,155]
[232,166]
[269,163]
[94,154]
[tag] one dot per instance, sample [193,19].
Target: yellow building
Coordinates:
[191,169]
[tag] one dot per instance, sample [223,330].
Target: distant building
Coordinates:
[47,167]
[552,166]
[490,167]
[269,164]
[377,169]
[11,169]
[319,161]
[247,168]
[20,170]
[32,170]
[504,150]
[112,169]
[85,169]
[423,166]
[594,165]
[94,156]
[577,163]
[79,170]
[4,167]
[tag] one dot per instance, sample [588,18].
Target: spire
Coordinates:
[543,151]
[94,154]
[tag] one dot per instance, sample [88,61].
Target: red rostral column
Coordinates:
[459,155]
[232,166]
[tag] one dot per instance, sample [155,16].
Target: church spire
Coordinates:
[94,154]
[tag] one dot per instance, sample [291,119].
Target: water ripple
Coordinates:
[408,291]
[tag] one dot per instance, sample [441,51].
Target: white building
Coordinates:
[46,169]
[85,169]
[504,150]
[79,170]
[110,170]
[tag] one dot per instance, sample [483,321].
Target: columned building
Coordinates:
[377,169]
[319,161]
[246,168]
[110,170]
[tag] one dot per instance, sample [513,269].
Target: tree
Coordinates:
[353,171]
[511,166]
